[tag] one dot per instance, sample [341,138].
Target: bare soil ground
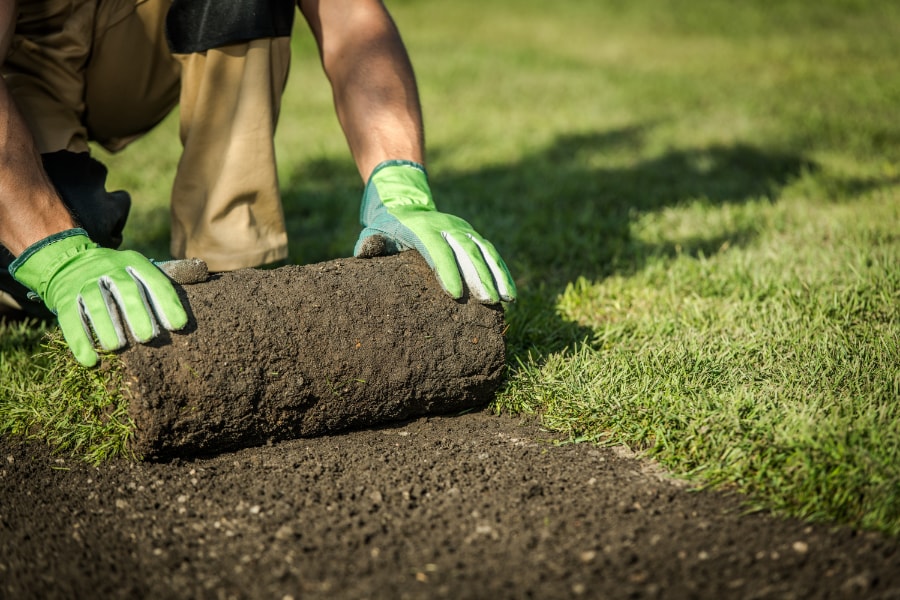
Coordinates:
[470,506]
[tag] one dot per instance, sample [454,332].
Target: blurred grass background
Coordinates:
[699,200]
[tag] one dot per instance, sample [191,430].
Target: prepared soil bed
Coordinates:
[307,350]
[470,506]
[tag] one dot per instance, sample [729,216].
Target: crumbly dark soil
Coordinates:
[306,350]
[470,506]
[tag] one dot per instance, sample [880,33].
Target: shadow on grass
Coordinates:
[554,215]
[565,211]
[570,219]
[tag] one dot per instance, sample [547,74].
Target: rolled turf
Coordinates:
[309,350]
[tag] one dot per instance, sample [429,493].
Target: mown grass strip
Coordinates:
[48,396]
[774,367]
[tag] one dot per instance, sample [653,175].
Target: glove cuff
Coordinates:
[398,163]
[395,183]
[35,274]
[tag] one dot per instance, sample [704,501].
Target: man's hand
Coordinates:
[399,214]
[95,291]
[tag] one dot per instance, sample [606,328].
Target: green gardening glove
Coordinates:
[399,214]
[94,291]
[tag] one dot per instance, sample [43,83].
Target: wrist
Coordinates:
[397,162]
[36,264]
[399,183]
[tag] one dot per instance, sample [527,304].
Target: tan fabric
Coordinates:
[226,206]
[91,69]
[100,70]
[131,80]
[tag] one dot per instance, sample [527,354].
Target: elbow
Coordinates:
[350,34]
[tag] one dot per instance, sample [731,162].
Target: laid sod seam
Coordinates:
[773,369]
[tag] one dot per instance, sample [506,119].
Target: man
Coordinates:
[110,70]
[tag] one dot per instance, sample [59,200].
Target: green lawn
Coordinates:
[700,202]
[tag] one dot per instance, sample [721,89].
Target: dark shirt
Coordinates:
[198,25]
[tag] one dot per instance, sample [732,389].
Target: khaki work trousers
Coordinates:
[101,70]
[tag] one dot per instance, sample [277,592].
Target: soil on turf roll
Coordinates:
[305,351]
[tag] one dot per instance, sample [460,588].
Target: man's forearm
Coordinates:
[374,88]
[30,208]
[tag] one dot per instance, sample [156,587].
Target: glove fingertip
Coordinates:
[171,316]
[177,321]
[449,279]
[84,354]
[453,289]
[470,266]
[512,291]
[485,295]
[184,271]
[371,245]
[78,335]
[505,286]
[162,304]
[88,360]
